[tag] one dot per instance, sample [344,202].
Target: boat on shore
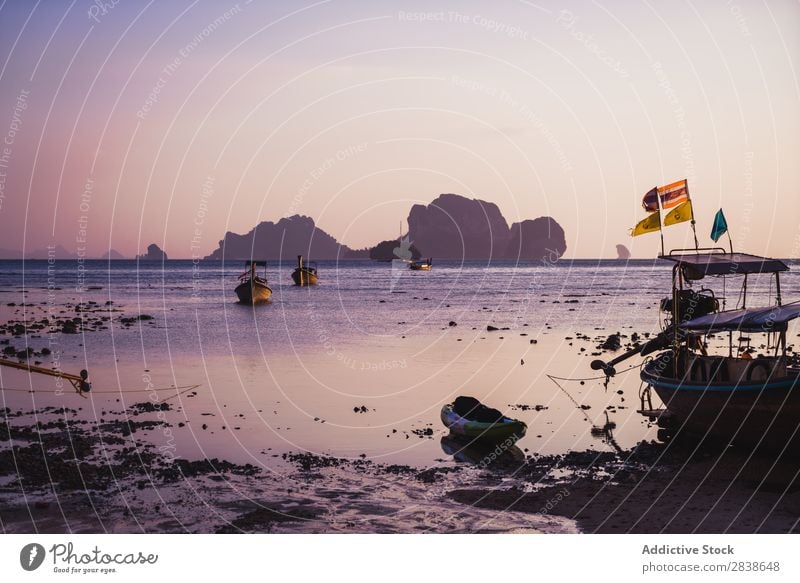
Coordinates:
[420,264]
[253,289]
[305,274]
[746,397]
[466,417]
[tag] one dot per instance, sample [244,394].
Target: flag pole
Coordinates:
[691,207]
[730,241]
[660,226]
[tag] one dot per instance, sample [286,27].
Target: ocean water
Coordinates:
[377,337]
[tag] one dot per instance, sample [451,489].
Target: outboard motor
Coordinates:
[692,304]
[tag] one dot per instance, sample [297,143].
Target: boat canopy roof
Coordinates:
[704,264]
[771,319]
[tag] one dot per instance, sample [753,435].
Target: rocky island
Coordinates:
[154,253]
[450,227]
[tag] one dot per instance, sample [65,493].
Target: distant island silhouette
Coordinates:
[392,249]
[113,255]
[154,253]
[450,227]
[456,227]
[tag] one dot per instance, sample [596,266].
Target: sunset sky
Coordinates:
[174,122]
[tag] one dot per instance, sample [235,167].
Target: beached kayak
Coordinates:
[500,430]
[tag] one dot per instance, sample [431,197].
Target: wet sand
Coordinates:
[63,474]
[665,489]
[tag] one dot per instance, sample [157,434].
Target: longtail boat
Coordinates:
[745,397]
[253,289]
[305,274]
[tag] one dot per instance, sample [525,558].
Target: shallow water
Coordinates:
[287,376]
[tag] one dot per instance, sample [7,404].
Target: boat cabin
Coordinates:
[695,315]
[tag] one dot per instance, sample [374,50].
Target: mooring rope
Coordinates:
[555,380]
[597,378]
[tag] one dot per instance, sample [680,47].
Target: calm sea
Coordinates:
[288,375]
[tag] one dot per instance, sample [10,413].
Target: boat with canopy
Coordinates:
[745,395]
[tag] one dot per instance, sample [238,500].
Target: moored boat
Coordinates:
[421,265]
[305,274]
[745,397]
[253,289]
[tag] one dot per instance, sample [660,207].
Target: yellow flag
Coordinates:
[648,224]
[679,214]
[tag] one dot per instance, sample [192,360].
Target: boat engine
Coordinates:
[692,304]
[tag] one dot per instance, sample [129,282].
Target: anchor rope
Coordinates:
[555,380]
[623,371]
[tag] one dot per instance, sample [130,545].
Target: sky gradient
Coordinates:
[138,122]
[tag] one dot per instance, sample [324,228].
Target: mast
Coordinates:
[675,315]
[660,226]
[694,229]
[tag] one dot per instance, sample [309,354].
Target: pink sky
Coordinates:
[175,122]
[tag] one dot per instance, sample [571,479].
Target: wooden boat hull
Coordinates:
[759,414]
[419,267]
[253,292]
[304,277]
[499,431]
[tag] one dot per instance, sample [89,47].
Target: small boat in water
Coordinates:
[253,289]
[467,417]
[420,265]
[305,274]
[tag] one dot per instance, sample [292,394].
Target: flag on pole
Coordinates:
[673,194]
[720,226]
[650,200]
[647,225]
[679,214]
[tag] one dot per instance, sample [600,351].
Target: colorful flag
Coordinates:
[720,226]
[679,214]
[650,200]
[647,225]
[673,194]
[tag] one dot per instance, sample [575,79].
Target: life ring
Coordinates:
[756,365]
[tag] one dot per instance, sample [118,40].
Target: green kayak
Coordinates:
[500,430]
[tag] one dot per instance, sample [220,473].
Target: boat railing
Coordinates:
[697,251]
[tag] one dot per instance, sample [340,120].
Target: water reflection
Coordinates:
[482,454]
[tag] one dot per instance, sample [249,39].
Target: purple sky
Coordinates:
[174,122]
